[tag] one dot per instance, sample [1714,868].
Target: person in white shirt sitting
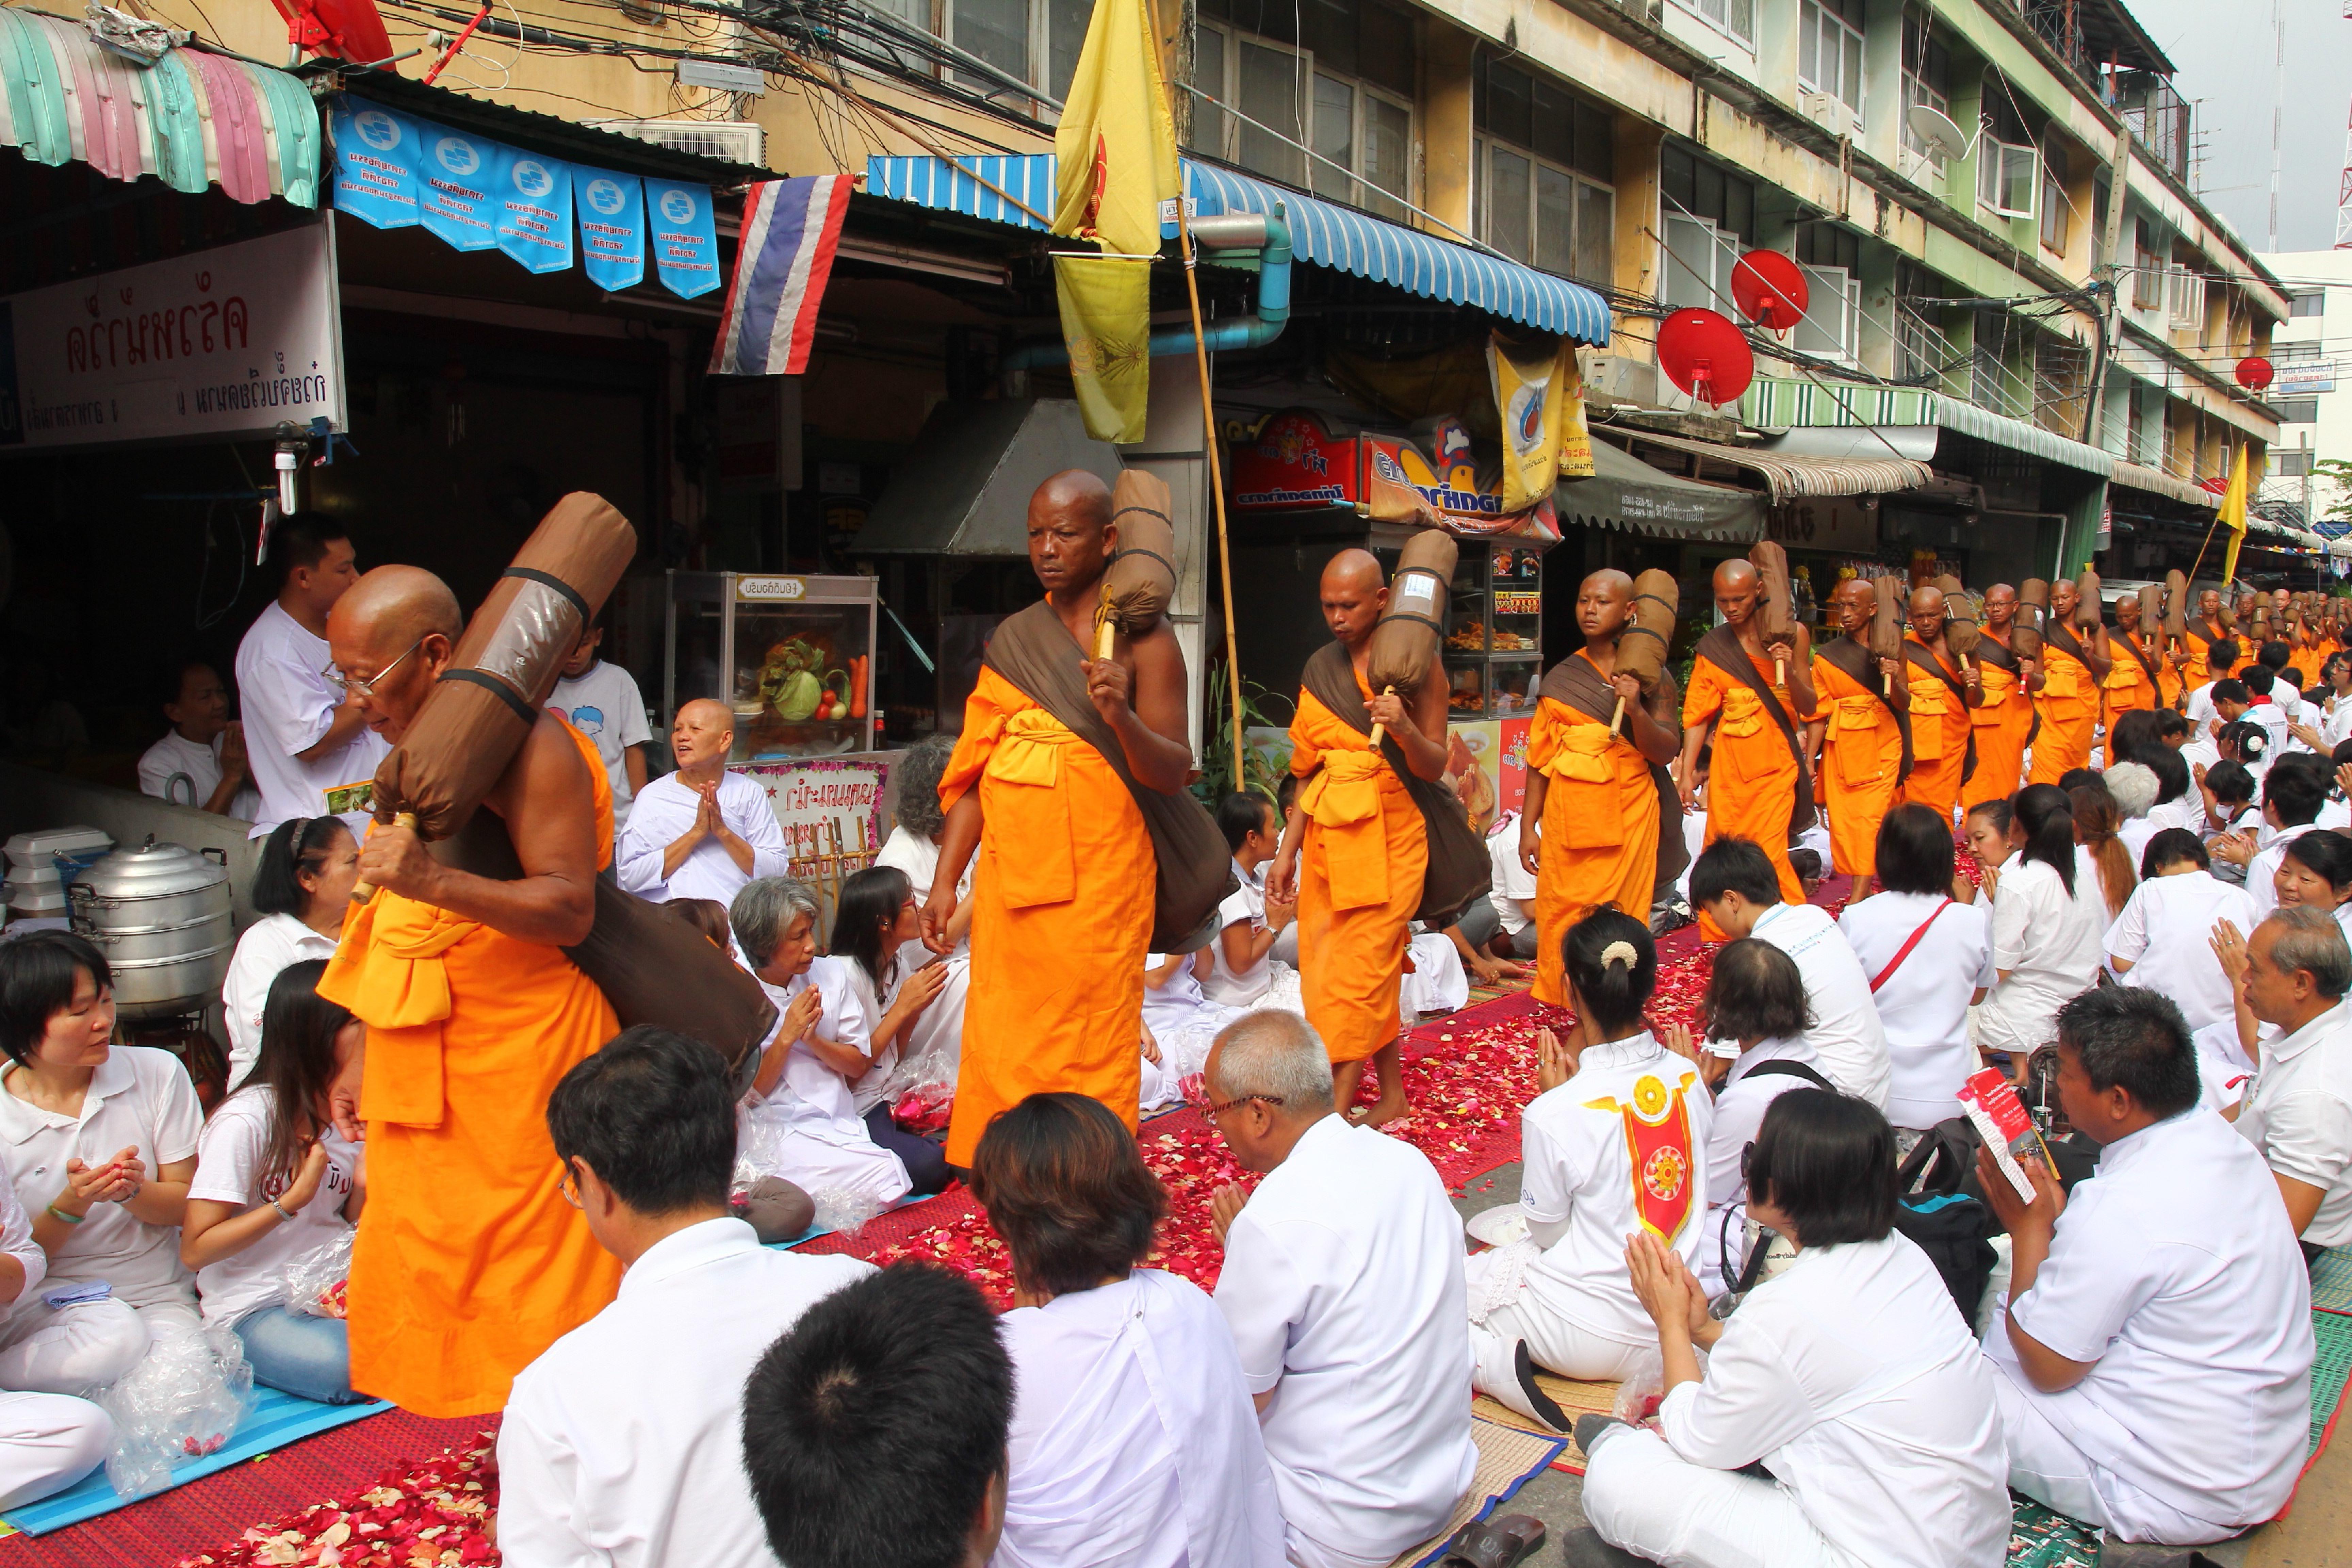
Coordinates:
[273,1182]
[200,760]
[2104,869]
[2314,872]
[1243,968]
[2134,787]
[2298,1110]
[2294,790]
[2046,920]
[599,699]
[2332,725]
[301,889]
[1502,922]
[2271,666]
[801,1122]
[1134,1439]
[1755,1004]
[701,832]
[47,1441]
[2177,804]
[1615,1141]
[2163,940]
[1929,959]
[1343,1287]
[874,1432]
[110,1221]
[934,1048]
[622,1444]
[1734,884]
[1848,1376]
[2227,792]
[2155,1346]
[875,922]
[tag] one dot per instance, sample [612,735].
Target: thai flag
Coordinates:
[790,228]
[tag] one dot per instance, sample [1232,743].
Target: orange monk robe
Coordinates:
[1061,919]
[2070,712]
[1940,725]
[1862,761]
[1752,789]
[1600,829]
[2127,686]
[2001,725]
[468,1261]
[1362,862]
[2199,670]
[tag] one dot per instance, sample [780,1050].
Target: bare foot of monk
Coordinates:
[1387,1109]
[1388,1068]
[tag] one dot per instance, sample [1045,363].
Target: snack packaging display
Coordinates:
[2002,1120]
[182,1402]
[315,1280]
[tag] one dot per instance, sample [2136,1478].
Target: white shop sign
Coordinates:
[234,340]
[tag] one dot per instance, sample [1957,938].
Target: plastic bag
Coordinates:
[316,1280]
[759,1151]
[925,1108]
[1644,1387]
[845,1209]
[182,1402]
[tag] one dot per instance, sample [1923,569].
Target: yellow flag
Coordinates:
[2233,516]
[1115,154]
[1107,321]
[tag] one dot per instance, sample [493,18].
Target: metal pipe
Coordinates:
[1267,233]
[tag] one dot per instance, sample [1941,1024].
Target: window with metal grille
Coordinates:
[1325,115]
[2298,410]
[1545,158]
[1829,48]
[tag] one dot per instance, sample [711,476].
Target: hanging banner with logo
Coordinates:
[685,237]
[611,228]
[376,164]
[534,213]
[456,177]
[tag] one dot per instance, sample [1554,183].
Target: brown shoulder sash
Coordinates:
[1036,652]
[1992,651]
[1921,656]
[1575,683]
[2132,643]
[1853,660]
[1722,648]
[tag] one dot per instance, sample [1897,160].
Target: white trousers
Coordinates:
[73,1350]
[1302,1552]
[2045,1465]
[1554,1344]
[1641,1497]
[48,1442]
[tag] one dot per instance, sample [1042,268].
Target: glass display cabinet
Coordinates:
[793,658]
[1493,643]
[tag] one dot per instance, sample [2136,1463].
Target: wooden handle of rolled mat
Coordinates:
[1380,729]
[1104,636]
[363,892]
[1780,669]
[1619,717]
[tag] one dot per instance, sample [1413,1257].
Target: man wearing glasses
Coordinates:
[304,735]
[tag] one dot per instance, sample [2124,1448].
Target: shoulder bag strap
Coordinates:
[1904,950]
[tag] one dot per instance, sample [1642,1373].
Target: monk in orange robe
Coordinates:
[2136,678]
[1355,853]
[1944,698]
[2193,659]
[2003,723]
[1749,701]
[1861,734]
[1591,827]
[469,1262]
[2075,660]
[1063,903]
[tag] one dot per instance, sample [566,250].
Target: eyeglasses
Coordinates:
[1746,1153]
[568,1183]
[354,686]
[1244,1100]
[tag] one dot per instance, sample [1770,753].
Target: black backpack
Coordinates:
[1951,1225]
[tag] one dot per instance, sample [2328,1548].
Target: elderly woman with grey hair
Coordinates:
[800,1121]
[932,1049]
[2135,788]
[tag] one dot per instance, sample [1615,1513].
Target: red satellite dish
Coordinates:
[2254,373]
[346,29]
[1769,290]
[1705,355]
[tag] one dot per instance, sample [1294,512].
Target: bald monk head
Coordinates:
[2209,604]
[701,737]
[1070,533]
[1354,592]
[2000,608]
[2128,612]
[391,636]
[1739,589]
[1604,606]
[1927,614]
[1853,604]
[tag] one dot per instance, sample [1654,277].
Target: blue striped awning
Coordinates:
[1321,233]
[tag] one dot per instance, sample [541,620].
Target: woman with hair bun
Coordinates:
[2048,919]
[1613,1143]
[301,889]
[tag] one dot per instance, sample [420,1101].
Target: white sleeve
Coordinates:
[844,1021]
[290,706]
[244,996]
[1746,1406]
[539,1487]
[228,1156]
[2262,892]
[629,724]
[2010,916]
[180,1116]
[2086,1289]
[638,854]
[1545,1180]
[2128,938]
[16,1241]
[155,772]
[1261,1293]
[758,827]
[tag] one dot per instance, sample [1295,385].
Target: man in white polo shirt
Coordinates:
[1343,1286]
[2298,1110]
[2155,1346]
[304,734]
[1734,884]
[623,1443]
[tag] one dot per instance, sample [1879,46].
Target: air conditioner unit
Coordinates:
[735,140]
[1822,106]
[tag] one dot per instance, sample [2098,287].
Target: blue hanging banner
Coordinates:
[611,228]
[459,178]
[684,238]
[534,213]
[376,164]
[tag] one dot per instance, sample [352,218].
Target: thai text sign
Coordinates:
[229,341]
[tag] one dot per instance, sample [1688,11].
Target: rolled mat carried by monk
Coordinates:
[1141,577]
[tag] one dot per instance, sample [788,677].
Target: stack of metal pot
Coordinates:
[160,913]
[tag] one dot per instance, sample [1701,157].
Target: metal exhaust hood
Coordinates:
[964,488]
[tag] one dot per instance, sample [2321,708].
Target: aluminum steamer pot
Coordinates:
[160,913]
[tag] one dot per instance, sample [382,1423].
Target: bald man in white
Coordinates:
[702,832]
